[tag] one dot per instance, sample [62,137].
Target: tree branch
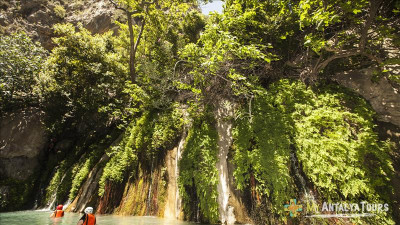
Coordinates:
[374,4]
[117,6]
[123,9]
[372,57]
[320,66]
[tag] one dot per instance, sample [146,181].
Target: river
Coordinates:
[39,217]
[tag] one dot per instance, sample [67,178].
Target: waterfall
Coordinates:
[296,170]
[66,204]
[224,128]
[178,200]
[148,208]
[308,194]
[173,201]
[52,200]
[54,195]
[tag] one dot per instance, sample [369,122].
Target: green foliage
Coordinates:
[321,16]
[145,138]
[82,173]
[164,34]
[331,131]
[262,147]
[20,60]
[55,182]
[60,11]
[198,176]
[167,128]
[16,194]
[86,163]
[184,56]
[221,56]
[114,171]
[83,77]
[69,171]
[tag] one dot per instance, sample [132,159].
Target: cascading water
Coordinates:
[52,201]
[224,128]
[308,194]
[296,170]
[148,208]
[178,200]
[66,204]
[173,201]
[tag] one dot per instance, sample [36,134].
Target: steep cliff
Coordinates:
[23,143]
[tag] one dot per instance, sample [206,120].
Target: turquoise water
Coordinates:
[43,218]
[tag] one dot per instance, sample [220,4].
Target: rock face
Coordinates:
[231,208]
[383,97]
[37,17]
[87,195]
[22,140]
[224,128]
[173,202]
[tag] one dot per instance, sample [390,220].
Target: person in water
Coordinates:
[88,218]
[58,212]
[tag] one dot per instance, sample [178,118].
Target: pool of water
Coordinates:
[43,218]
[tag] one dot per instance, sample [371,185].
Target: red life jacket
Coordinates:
[58,213]
[89,220]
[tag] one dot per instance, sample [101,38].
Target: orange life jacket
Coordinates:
[59,213]
[89,220]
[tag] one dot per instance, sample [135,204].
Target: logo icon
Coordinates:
[293,208]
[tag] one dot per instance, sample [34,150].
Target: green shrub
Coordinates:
[262,146]
[82,171]
[21,61]
[331,132]
[145,137]
[60,11]
[83,78]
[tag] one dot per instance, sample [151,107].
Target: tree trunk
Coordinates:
[132,71]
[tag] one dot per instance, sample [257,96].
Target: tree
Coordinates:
[83,78]
[340,30]
[136,15]
[20,63]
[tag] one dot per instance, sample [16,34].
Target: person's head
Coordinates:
[89,210]
[59,207]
